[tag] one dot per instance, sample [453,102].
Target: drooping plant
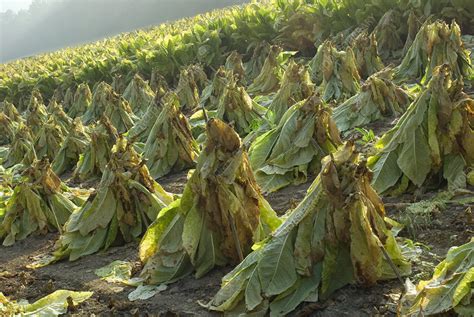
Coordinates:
[10,111]
[139,95]
[7,129]
[59,117]
[268,80]
[234,64]
[48,140]
[335,72]
[365,50]
[253,67]
[106,102]
[22,149]
[217,220]
[191,80]
[95,157]
[296,86]
[170,145]
[82,101]
[36,113]
[436,43]
[212,93]
[38,204]
[433,141]
[450,289]
[142,128]
[237,107]
[75,144]
[125,202]
[294,148]
[158,83]
[336,236]
[379,97]
[387,34]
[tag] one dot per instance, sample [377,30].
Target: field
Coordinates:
[181,299]
[301,158]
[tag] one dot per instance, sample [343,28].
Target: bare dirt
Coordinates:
[447,228]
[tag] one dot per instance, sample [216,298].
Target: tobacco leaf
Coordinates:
[295,86]
[96,155]
[237,108]
[268,80]
[106,102]
[192,80]
[366,55]
[54,304]
[82,101]
[75,143]
[22,149]
[335,72]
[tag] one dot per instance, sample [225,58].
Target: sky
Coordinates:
[14,5]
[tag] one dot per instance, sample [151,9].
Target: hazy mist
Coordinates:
[52,24]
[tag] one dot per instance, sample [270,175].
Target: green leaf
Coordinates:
[277,269]
[453,171]
[293,149]
[152,237]
[253,291]
[234,283]
[192,232]
[386,171]
[415,159]
[286,302]
[337,270]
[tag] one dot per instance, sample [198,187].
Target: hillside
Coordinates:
[47,26]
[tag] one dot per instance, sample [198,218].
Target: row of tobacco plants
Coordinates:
[250,100]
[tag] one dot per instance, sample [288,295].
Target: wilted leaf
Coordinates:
[54,304]
[170,146]
[436,43]
[144,292]
[379,97]
[335,72]
[139,95]
[115,272]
